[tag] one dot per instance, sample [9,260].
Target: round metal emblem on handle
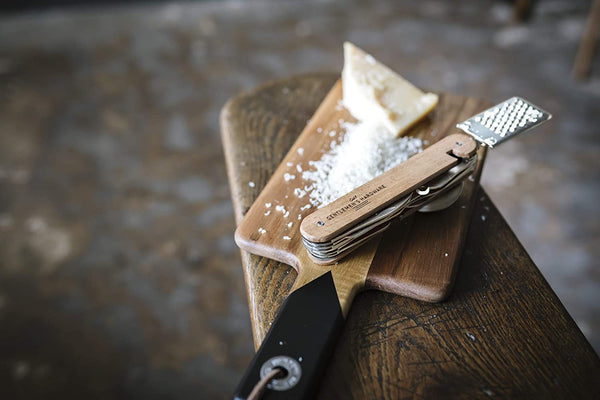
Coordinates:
[289,365]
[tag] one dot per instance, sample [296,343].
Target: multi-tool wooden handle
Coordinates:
[345,212]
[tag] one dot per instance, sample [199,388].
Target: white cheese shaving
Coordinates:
[262,231]
[299,193]
[288,177]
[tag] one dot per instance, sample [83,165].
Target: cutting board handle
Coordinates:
[300,341]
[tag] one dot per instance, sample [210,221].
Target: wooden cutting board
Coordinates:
[416,258]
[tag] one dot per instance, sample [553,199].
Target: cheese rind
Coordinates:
[373,92]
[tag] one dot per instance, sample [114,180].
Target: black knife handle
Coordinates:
[301,340]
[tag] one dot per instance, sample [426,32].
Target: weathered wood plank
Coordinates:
[501,333]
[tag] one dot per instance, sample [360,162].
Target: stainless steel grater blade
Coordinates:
[503,121]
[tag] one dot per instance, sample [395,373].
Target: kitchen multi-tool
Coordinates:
[428,181]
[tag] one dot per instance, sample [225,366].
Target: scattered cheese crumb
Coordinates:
[445,254]
[287,213]
[319,130]
[287,238]
[288,177]
[300,151]
[332,133]
[305,207]
[298,168]
[289,164]
[268,212]
[299,216]
[262,231]
[289,224]
[280,208]
[251,184]
[268,205]
[299,193]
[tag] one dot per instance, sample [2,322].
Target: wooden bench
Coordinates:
[502,333]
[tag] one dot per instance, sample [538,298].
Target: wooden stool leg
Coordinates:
[522,10]
[585,53]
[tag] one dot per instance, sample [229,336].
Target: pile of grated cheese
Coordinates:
[385,105]
[366,151]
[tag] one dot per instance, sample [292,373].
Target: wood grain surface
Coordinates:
[502,333]
[270,228]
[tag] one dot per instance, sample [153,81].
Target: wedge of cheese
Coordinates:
[373,92]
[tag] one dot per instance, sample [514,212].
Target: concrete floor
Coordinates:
[119,277]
